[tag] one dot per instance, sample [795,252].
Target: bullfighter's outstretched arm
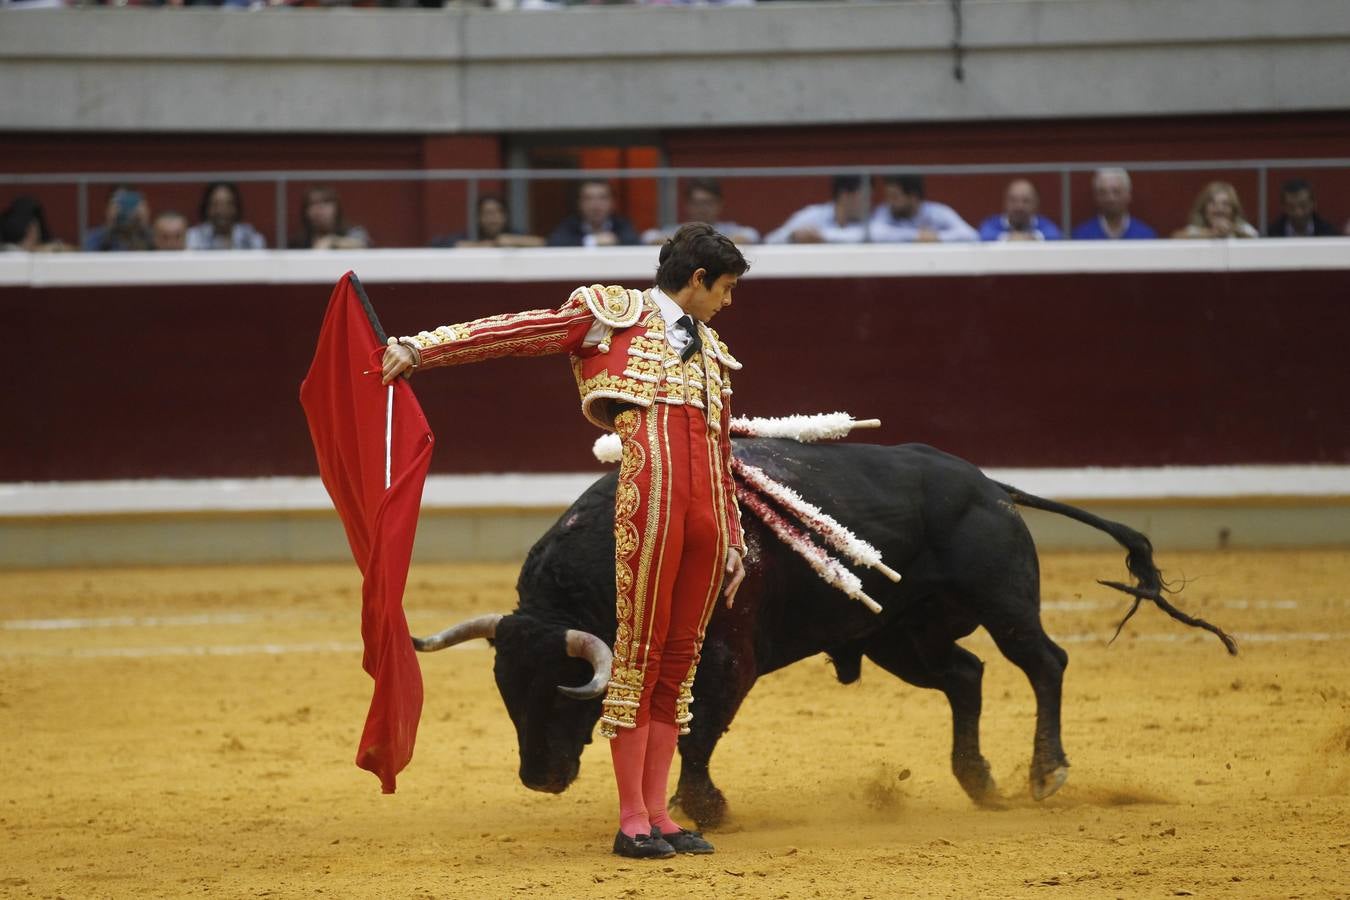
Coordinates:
[535,332]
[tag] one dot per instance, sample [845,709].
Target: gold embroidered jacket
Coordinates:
[632,364]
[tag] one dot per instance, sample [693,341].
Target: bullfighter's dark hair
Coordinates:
[211,188]
[697,246]
[910,184]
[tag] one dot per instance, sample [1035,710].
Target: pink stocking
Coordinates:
[655,775]
[629,751]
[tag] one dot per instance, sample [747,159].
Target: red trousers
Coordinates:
[670,551]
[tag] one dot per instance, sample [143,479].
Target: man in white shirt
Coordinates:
[841,221]
[906,216]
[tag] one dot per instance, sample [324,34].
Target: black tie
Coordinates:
[695,342]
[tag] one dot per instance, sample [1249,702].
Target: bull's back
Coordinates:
[912,502]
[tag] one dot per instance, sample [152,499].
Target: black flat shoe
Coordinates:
[685,841]
[644,846]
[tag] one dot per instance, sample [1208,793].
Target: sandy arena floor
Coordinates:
[178,732]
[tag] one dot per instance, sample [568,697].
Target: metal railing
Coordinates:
[667,177]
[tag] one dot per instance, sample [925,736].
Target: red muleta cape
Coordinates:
[346,410]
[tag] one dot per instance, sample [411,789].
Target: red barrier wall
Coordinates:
[1031,370]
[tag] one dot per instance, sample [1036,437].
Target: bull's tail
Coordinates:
[1138,559]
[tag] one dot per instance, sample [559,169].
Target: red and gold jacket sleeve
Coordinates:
[534,332]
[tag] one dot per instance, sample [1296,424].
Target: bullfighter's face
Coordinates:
[705,302]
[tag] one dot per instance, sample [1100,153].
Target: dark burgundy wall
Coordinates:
[1042,370]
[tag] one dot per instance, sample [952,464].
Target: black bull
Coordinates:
[966,558]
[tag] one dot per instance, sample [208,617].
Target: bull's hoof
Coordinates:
[979,785]
[707,807]
[1048,783]
[985,794]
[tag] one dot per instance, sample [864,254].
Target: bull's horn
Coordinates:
[584,645]
[477,627]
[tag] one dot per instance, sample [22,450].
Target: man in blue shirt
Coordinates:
[1111,191]
[1019,221]
[907,216]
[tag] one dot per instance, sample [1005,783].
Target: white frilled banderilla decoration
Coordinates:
[759,494]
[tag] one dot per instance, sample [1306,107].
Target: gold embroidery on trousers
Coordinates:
[625,684]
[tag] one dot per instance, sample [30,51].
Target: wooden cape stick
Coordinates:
[389,395]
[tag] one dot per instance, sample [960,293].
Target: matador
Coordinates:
[649,368]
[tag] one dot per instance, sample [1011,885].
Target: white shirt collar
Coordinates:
[670,310]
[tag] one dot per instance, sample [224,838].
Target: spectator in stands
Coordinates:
[1020,220]
[703,203]
[23,228]
[907,216]
[1217,213]
[219,226]
[842,220]
[494,229]
[594,224]
[170,231]
[1111,191]
[126,223]
[323,226]
[1300,218]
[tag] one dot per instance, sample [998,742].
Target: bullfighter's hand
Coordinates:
[398,360]
[735,575]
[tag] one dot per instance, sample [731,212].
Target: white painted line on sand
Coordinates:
[220,617]
[194,619]
[193,650]
[199,650]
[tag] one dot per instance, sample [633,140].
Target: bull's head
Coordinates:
[535,664]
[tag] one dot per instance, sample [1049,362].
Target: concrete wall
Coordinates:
[478,535]
[626,68]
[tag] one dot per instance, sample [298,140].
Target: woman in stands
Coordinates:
[220,225]
[23,228]
[494,229]
[322,225]
[1217,213]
